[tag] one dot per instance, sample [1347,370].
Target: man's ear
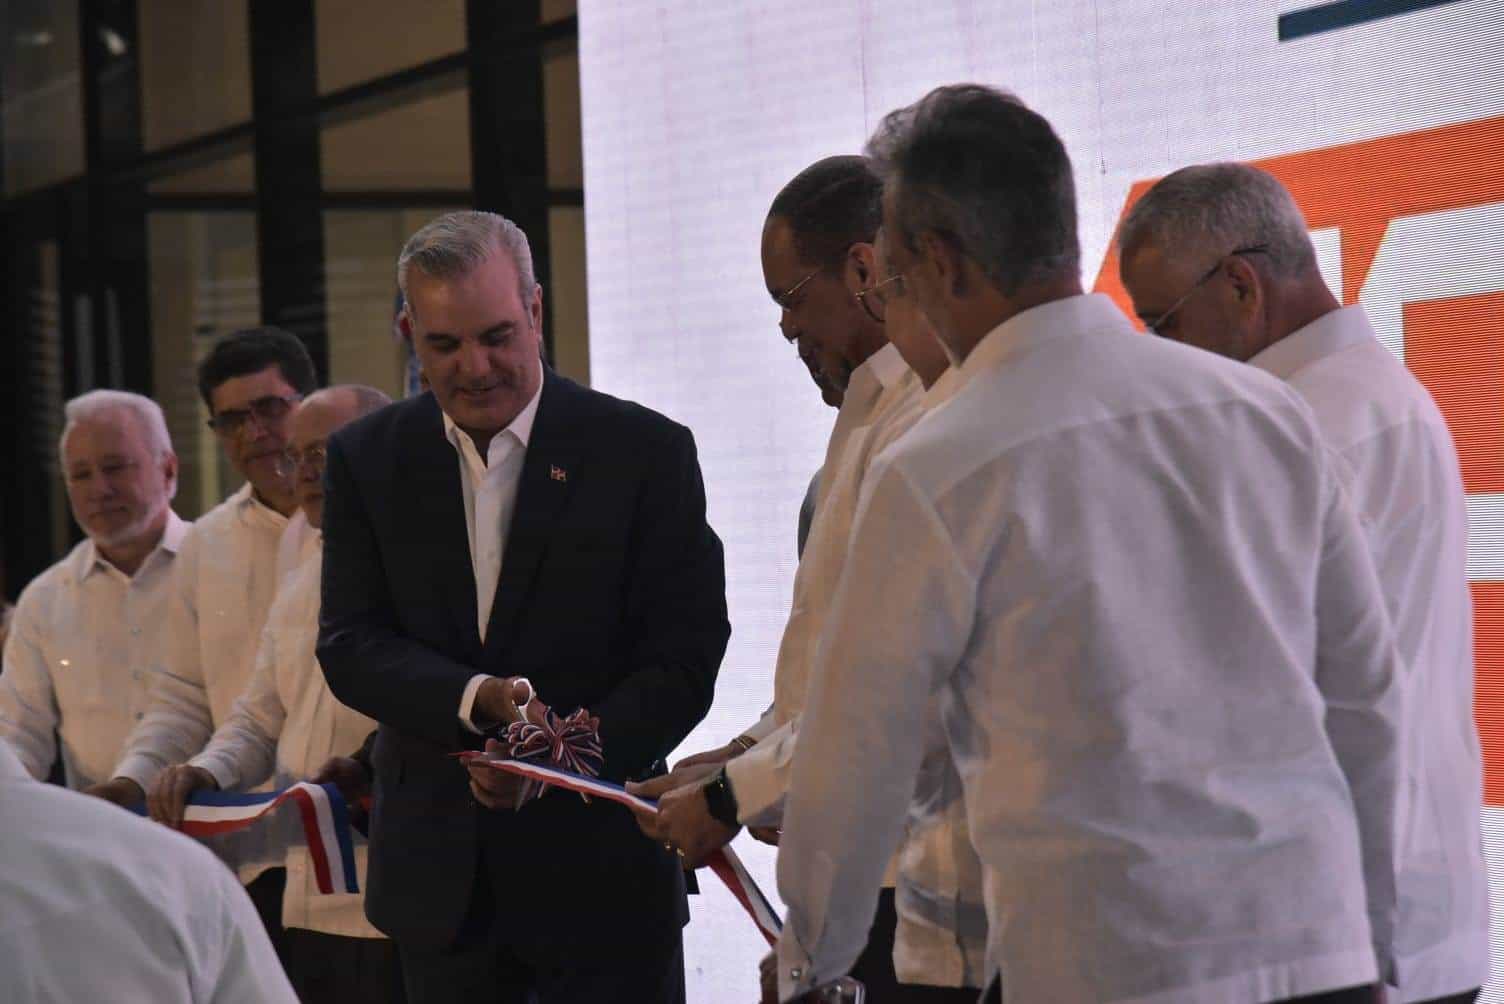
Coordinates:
[535,310]
[860,271]
[170,472]
[1245,282]
[948,262]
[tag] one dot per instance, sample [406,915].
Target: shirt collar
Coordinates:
[1073,314]
[887,365]
[253,509]
[1328,334]
[941,390]
[91,561]
[520,427]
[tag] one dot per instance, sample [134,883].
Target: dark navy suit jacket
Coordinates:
[611,597]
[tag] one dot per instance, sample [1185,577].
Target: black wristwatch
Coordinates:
[719,799]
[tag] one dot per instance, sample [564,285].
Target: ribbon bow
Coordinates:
[570,743]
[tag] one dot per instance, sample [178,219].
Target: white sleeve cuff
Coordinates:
[796,974]
[219,767]
[467,701]
[760,779]
[764,726]
[141,768]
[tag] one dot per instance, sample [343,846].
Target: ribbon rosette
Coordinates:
[571,743]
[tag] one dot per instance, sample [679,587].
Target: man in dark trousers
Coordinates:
[510,523]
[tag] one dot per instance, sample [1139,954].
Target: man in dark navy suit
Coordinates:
[510,523]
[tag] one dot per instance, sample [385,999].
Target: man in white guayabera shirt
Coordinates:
[287,725]
[1218,256]
[223,585]
[824,223]
[928,936]
[1127,569]
[99,905]
[87,637]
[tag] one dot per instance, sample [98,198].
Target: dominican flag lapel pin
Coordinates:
[557,473]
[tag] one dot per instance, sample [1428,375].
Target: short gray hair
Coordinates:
[975,166]
[1209,210]
[98,403]
[457,243]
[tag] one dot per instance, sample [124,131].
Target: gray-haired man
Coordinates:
[512,523]
[1126,571]
[87,637]
[1218,256]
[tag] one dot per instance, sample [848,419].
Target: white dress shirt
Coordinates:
[98,905]
[285,726]
[942,930]
[1406,484]
[1169,682]
[86,643]
[489,486]
[223,584]
[883,393]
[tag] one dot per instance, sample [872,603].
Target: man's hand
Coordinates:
[767,973]
[495,789]
[682,774]
[347,775]
[717,756]
[121,790]
[683,820]
[499,701]
[170,793]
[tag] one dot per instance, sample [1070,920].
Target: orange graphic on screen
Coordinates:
[1427,204]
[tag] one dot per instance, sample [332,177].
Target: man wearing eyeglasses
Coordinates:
[1218,256]
[817,259]
[286,726]
[225,579]
[935,956]
[86,641]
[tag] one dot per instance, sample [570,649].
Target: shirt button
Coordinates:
[135,631]
[138,716]
[796,974]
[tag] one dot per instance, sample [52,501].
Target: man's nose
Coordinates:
[475,360]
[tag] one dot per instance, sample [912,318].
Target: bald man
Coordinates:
[286,725]
[1218,256]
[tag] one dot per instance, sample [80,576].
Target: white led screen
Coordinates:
[1389,130]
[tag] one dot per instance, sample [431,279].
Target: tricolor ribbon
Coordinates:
[326,825]
[724,862]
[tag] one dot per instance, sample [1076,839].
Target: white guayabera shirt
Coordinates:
[225,577]
[84,646]
[98,905]
[941,932]
[1169,682]
[1405,483]
[285,726]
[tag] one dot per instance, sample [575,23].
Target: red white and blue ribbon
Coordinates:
[724,862]
[326,825]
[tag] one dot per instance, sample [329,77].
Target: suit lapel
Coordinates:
[548,476]
[434,467]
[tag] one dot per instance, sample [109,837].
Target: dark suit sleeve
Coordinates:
[675,615]
[369,664]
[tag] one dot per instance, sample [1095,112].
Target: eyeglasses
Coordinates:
[874,302]
[295,458]
[784,299]
[265,410]
[1159,324]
